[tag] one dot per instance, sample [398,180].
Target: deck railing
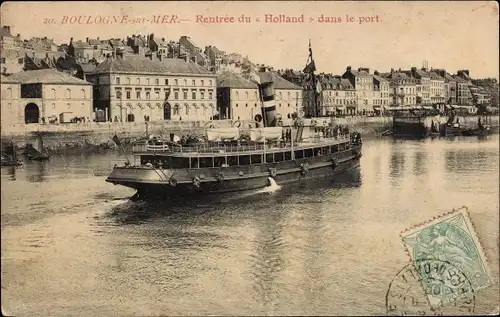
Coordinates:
[228,148]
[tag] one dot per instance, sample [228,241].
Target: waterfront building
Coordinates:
[48,96]
[464,95]
[450,87]
[10,98]
[336,97]
[362,81]
[423,81]
[141,89]
[437,92]
[381,92]
[237,98]
[403,88]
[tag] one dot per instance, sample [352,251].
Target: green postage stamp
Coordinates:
[450,239]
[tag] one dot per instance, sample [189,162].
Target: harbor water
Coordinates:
[73,245]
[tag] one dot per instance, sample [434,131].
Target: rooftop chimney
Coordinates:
[392,70]
[348,68]
[87,40]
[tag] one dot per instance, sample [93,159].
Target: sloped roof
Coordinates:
[145,65]
[229,79]
[279,82]
[435,76]
[47,76]
[94,42]
[8,80]
[80,44]
[88,68]
[379,78]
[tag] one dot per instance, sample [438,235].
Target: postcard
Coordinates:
[164,158]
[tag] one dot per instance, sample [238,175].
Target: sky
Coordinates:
[450,35]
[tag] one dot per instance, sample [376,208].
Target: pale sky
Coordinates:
[450,35]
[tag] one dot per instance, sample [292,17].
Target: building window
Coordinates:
[288,95]
[138,81]
[54,95]
[9,93]
[128,94]
[176,110]
[202,95]
[128,81]
[157,81]
[246,105]
[185,82]
[83,93]
[237,96]
[176,95]
[147,81]
[68,93]
[157,94]
[194,82]
[117,80]
[176,82]
[255,95]
[166,82]
[193,94]
[209,95]
[210,83]
[53,106]
[187,109]
[138,94]
[69,106]
[148,94]
[202,82]
[185,94]
[83,105]
[118,94]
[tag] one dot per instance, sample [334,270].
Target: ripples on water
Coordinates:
[73,244]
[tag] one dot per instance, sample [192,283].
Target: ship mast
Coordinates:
[310,69]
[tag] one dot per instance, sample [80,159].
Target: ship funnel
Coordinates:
[268,99]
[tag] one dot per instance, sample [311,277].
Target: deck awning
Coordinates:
[428,107]
[340,108]
[376,108]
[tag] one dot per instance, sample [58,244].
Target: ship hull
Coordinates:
[286,173]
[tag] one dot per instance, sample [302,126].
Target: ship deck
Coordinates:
[221,148]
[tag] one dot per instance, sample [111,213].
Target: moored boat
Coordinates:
[9,156]
[37,152]
[217,166]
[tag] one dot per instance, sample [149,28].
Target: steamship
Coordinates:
[226,162]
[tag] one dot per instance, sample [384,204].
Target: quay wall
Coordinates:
[92,136]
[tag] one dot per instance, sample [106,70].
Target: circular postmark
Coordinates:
[430,287]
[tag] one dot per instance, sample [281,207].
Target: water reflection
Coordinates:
[397,164]
[38,171]
[420,163]
[267,260]
[466,160]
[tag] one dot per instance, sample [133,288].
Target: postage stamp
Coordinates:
[449,238]
[430,287]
